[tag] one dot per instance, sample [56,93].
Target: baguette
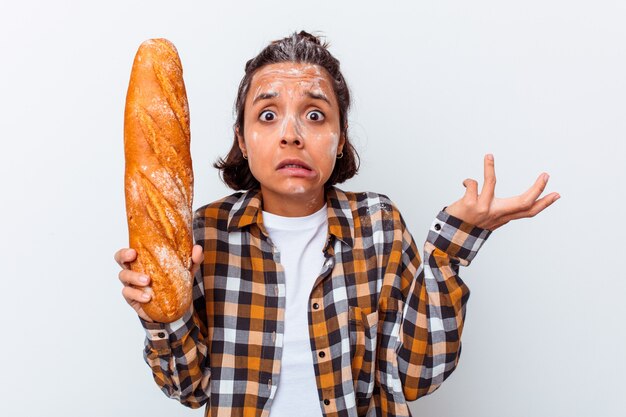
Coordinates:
[158,178]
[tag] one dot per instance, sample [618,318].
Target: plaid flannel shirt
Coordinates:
[384,327]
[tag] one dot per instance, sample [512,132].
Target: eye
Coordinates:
[267,116]
[315,115]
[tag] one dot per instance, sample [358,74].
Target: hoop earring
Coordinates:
[244,156]
[340,155]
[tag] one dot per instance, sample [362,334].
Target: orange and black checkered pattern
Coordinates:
[385,327]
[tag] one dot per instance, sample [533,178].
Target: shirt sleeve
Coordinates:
[429,340]
[177,354]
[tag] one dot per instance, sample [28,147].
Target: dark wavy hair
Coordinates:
[300,47]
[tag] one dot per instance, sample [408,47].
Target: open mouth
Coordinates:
[293,164]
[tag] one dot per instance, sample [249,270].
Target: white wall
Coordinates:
[436,85]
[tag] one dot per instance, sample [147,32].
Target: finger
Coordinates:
[142,313]
[527,199]
[471,188]
[135,294]
[535,209]
[197,256]
[489,186]
[128,277]
[124,256]
[522,202]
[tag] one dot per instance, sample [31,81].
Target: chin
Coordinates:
[296,189]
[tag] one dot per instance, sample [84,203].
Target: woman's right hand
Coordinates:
[136,289]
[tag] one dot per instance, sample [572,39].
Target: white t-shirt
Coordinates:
[300,241]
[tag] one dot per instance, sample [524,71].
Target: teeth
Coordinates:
[293,166]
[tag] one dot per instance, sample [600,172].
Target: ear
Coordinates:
[241,141]
[342,142]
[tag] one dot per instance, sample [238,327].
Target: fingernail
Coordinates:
[145,296]
[143,279]
[546,177]
[556,197]
[490,156]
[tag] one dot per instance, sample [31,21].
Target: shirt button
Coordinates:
[274,337]
[326,401]
[161,334]
[316,306]
[437,227]
[322,354]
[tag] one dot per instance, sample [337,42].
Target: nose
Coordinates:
[290,132]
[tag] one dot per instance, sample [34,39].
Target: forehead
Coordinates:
[290,75]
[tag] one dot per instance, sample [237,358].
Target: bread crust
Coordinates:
[158,178]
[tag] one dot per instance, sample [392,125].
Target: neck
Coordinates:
[296,205]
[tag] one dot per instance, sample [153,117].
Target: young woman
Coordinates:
[310,300]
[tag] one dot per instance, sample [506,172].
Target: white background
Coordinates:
[539,83]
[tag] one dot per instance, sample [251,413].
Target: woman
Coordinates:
[309,300]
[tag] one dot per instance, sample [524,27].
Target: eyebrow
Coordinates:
[265,96]
[318,96]
[272,94]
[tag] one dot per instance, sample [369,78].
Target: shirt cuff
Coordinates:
[459,239]
[161,336]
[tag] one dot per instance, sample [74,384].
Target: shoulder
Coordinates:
[369,217]
[368,210]
[223,204]
[363,203]
[219,212]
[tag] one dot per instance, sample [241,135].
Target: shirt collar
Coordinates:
[247,210]
[340,220]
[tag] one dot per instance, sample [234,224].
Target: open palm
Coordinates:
[486,211]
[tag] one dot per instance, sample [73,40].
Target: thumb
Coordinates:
[197,256]
[471,186]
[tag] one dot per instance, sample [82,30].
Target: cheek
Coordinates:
[251,140]
[334,139]
[256,151]
[328,144]
[254,141]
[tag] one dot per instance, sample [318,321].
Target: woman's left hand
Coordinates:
[487,212]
